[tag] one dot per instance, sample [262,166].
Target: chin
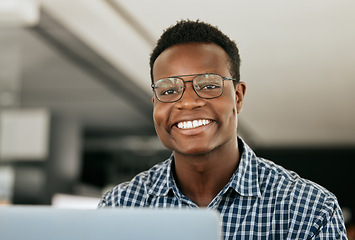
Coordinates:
[186,148]
[192,151]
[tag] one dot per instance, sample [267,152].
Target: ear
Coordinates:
[240,91]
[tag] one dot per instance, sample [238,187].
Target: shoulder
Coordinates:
[134,192]
[276,177]
[289,185]
[308,205]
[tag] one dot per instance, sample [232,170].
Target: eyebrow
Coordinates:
[189,75]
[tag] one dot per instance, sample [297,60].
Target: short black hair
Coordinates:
[187,31]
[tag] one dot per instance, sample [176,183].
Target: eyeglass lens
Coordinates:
[205,85]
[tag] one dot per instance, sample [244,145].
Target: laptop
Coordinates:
[37,223]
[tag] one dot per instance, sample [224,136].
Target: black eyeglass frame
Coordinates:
[195,76]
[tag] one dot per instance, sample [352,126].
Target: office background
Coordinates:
[75,97]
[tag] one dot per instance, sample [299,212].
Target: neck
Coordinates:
[202,177]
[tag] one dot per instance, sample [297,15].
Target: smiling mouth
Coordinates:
[192,124]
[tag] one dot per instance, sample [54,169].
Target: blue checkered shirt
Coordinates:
[261,201]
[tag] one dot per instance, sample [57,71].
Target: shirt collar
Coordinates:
[164,181]
[244,180]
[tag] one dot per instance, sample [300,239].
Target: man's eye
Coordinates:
[209,87]
[169,91]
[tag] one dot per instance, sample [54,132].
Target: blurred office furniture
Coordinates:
[24,148]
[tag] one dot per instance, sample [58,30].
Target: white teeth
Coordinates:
[192,124]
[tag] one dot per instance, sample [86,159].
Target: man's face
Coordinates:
[216,119]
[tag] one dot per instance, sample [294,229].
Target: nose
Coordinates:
[189,99]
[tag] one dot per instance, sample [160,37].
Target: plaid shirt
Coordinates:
[261,201]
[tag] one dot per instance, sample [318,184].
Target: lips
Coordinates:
[193,123]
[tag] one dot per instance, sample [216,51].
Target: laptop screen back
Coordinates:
[121,223]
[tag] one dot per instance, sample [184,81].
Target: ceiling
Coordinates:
[297,62]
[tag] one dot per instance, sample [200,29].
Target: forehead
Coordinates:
[191,58]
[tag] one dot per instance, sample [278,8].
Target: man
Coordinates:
[197,98]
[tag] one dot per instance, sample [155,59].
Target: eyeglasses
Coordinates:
[207,85]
